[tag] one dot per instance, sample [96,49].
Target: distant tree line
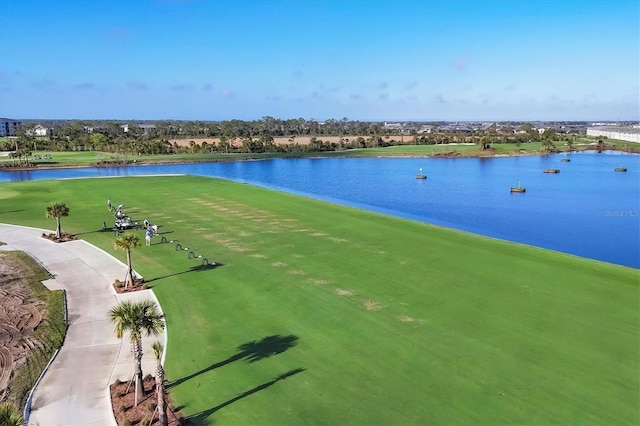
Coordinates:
[255,137]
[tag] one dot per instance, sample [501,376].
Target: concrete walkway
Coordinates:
[75,388]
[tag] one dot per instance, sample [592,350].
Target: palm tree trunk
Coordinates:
[129,278]
[58,228]
[136,348]
[162,403]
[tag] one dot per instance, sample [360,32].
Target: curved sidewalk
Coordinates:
[75,388]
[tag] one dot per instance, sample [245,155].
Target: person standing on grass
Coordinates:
[147,237]
[145,223]
[109,206]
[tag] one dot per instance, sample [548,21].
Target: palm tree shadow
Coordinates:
[251,351]
[93,232]
[268,346]
[200,417]
[198,268]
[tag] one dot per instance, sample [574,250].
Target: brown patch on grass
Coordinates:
[338,240]
[318,282]
[258,255]
[246,234]
[298,255]
[318,234]
[372,305]
[278,264]
[344,292]
[240,249]
[408,319]
[296,272]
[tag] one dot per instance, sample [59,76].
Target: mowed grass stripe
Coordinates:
[395,321]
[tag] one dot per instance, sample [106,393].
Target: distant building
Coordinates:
[9,127]
[392,126]
[38,130]
[623,133]
[145,127]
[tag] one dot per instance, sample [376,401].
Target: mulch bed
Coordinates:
[126,414]
[62,239]
[138,285]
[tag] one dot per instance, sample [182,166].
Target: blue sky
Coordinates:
[360,59]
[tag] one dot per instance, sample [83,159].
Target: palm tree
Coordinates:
[160,391]
[57,210]
[126,242]
[10,415]
[137,318]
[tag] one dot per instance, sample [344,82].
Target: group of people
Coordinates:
[124,222]
[151,230]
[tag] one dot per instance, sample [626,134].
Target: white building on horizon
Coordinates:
[623,133]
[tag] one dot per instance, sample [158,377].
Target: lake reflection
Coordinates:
[587,209]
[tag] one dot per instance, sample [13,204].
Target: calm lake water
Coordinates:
[586,210]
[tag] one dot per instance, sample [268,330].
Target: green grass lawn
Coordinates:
[322,314]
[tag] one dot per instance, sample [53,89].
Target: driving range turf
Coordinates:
[323,314]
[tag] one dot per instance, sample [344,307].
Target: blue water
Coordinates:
[587,209]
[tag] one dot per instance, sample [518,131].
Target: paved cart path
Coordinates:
[75,388]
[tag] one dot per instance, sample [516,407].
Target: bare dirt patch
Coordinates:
[296,272]
[126,414]
[20,315]
[283,140]
[278,264]
[319,282]
[344,292]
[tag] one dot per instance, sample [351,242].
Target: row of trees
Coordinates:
[238,136]
[134,318]
[137,319]
[172,129]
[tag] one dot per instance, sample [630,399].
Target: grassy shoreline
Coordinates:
[324,314]
[104,159]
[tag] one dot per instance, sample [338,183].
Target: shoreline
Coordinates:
[330,154]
